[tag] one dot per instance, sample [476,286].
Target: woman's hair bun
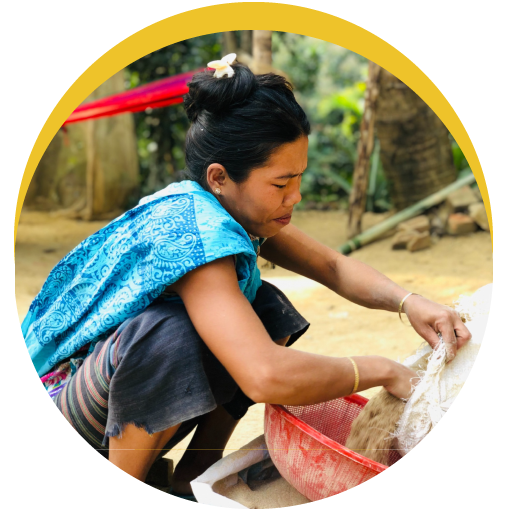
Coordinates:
[217,95]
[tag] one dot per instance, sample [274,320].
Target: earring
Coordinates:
[217,191]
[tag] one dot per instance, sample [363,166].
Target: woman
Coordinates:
[159,322]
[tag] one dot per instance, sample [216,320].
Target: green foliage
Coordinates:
[329,84]
[378,196]
[459,160]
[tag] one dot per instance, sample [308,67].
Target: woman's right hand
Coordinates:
[403,381]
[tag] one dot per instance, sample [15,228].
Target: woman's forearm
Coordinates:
[348,277]
[365,286]
[293,377]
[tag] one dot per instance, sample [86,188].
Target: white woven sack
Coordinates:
[225,474]
[440,383]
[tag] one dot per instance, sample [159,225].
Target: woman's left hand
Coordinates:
[429,319]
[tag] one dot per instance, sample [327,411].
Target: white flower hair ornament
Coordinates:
[223,66]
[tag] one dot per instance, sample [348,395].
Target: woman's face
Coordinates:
[263,203]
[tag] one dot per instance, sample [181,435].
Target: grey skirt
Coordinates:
[155,371]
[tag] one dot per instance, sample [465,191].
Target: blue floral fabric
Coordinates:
[118,271]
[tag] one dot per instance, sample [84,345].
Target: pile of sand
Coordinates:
[372,431]
[276,493]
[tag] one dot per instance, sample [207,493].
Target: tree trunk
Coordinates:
[246,41]
[416,152]
[358,196]
[262,51]
[244,54]
[113,157]
[239,43]
[229,43]
[96,174]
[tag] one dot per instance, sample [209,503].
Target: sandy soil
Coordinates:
[451,267]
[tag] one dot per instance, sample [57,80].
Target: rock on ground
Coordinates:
[419,242]
[459,224]
[419,224]
[461,199]
[479,215]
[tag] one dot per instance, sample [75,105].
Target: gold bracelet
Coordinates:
[356,375]
[400,306]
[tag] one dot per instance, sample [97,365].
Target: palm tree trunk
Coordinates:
[416,151]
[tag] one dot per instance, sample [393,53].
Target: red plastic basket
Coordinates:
[306,444]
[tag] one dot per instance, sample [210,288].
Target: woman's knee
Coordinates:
[134,451]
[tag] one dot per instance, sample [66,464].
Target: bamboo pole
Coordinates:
[408,213]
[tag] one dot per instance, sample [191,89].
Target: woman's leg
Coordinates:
[207,445]
[206,448]
[134,451]
[159,378]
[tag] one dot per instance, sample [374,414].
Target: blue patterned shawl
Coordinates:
[118,271]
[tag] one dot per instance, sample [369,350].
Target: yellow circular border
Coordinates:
[247,16]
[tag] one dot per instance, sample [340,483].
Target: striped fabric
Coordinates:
[84,399]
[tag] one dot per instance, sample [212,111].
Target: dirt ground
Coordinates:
[452,266]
